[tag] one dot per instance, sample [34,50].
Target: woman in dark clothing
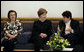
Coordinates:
[42,29]
[70,29]
[11,30]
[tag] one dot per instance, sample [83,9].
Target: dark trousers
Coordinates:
[39,43]
[9,44]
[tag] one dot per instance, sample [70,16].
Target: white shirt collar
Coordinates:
[68,22]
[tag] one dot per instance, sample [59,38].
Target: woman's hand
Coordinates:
[69,29]
[11,36]
[43,35]
[58,28]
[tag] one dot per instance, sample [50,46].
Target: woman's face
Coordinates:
[65,19]
[43,16]
[12,16]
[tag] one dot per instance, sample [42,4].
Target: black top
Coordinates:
[42,27]
[73,37]
[74,25]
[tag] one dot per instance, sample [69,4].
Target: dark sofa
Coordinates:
[23,39]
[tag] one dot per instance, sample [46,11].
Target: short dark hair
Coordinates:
[67,14]
[41,11]
[10,12]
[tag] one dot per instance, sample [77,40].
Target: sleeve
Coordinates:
[74,37]
[50,30]
[35,31]
[6,28]
[20,28]
[62,28]
[76,28]
[61,25]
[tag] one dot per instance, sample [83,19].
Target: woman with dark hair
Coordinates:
[70,28]
[11,30]
[42,29]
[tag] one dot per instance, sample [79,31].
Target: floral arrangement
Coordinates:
[57,42]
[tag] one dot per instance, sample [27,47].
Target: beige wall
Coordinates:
[54,8]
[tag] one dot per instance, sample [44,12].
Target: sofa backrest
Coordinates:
[27,27]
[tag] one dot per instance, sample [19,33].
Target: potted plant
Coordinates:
[57,43]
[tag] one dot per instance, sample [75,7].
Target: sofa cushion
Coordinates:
[24,37]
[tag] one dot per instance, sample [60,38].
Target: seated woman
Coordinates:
[69,28]
[42,29]
[12,29]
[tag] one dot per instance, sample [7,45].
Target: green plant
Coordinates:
[58,42]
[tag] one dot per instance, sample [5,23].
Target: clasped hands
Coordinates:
[11,36]
[68,29]
[43,35]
